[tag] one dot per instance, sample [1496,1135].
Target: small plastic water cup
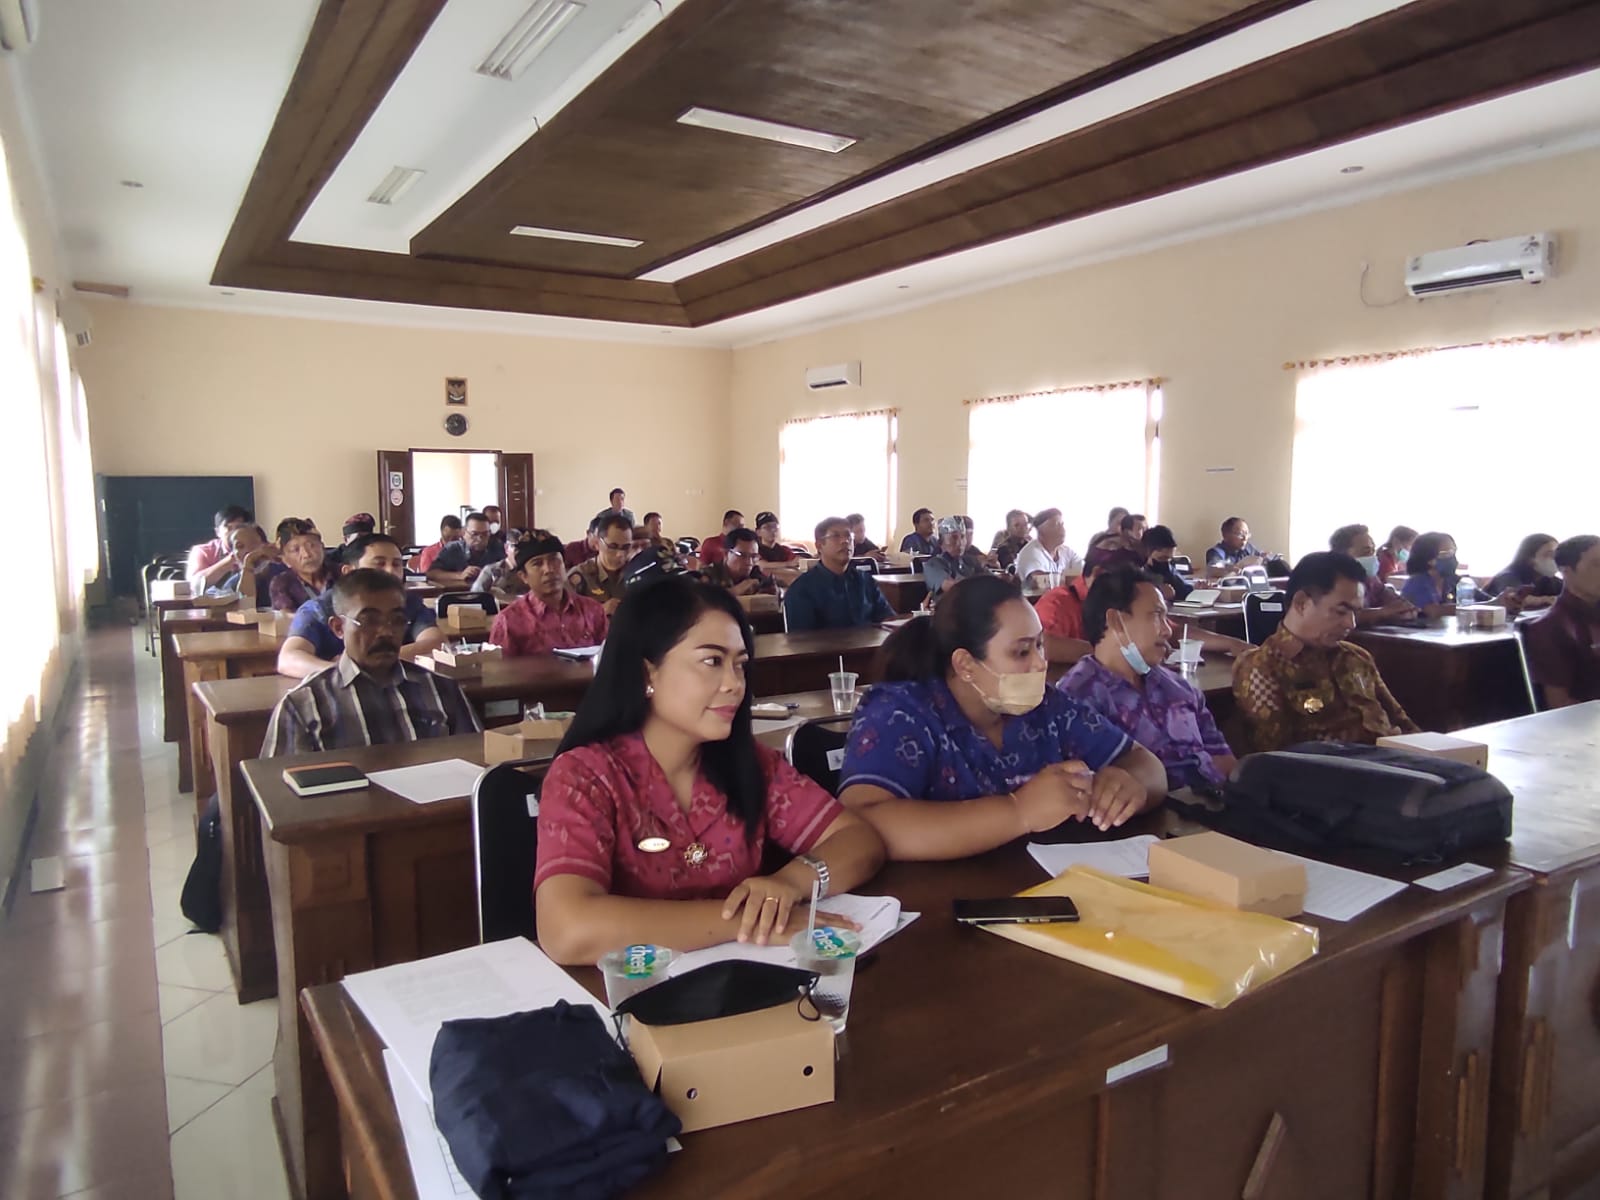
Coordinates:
[831,953]
[633,969]
[843,686]
[1189,653]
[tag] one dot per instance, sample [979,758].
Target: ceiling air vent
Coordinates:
[525,41]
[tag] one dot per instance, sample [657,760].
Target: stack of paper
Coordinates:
[879,917]
[1340,894]
[1127,857]
[428,783]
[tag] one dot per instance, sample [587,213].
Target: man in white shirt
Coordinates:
[1048,561]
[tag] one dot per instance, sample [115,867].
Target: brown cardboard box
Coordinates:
[1231,872]
[466,618]
[1483,616]
[758,604]
[512,743]
[460,662]
[171,589]
[274,624]
[243,616]
[732,1069]
[1475,753]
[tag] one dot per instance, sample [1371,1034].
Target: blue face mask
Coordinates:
[1134,658]
[1445,564]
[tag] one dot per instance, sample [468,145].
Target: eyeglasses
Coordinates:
[839,536]
[618,546]
[387,623]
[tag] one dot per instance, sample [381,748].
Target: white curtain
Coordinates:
[835,466]
[1486,443]
[1082,450]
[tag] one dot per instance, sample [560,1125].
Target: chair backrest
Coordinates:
[815,748]
[505,839]
[1536,700]
[918,561]
[1182,565]
[1256,578]
[688,545]
[1263,613]
[868,565]
[483,600]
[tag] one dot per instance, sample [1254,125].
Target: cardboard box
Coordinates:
[466,618]
[1482,616]
[1475,753]
[718,1072]
[526,739]
[758,604]
[1237,874]
[463,662]
[171,589]
[274,624]
[243,616]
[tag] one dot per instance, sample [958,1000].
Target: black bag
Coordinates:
[719,989]
[1326,797]
[201,898]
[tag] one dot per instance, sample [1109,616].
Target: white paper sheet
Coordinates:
[773,724]
[429,783]
[433,1170]
[1340,894]
[1450,877]
[1128,857]
[880,918]
[579,653]
[407,1002]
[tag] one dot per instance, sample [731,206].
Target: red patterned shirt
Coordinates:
[1061,609]
[598,802]
[530,626]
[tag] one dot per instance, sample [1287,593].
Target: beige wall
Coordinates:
[303,405]
[1217,318]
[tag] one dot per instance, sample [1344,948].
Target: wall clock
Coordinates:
[455,424]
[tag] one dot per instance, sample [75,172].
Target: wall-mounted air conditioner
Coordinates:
[1526,259]
[840,375]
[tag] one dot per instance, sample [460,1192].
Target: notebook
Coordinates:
[323,778]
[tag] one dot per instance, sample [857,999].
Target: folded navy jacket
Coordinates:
[545,1104]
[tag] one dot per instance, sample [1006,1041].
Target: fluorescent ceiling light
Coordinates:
[772,131]
[395,184]
[525,41]
[567,235]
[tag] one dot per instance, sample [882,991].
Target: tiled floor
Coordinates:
[128,1071]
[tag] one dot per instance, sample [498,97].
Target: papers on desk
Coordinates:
[433,1170]
[578,653]
[1340,894]
[1450,877]
[1127,857]
[406,1003]
[880,918]
[429,783]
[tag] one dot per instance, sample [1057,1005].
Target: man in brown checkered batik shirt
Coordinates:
[1305,683]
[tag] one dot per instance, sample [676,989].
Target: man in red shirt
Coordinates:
[1564,644]
[575,554]
[1061,613]
[550,617]
[715,548]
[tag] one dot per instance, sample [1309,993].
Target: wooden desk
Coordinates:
[224,654]
[974,1066]
[1545,1112]
[169,623]
[1447,679]
[802,662]
[1226,619]
[904,593]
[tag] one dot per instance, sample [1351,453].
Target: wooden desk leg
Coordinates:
[246,902]
[1460,984]
[172,711]
[200,778]
[323,925]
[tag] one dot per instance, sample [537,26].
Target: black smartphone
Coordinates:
[1016,910]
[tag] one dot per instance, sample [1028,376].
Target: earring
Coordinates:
[649,690]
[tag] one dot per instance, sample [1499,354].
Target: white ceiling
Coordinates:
[180,95]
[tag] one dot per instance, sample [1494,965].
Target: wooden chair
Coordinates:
[505,840]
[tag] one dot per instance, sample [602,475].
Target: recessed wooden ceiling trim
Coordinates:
[1422,59]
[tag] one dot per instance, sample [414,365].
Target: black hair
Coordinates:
[1230,523]
[731,514]
[1424,550]
[293,527]
[855,519]
[648,515]
[1529,547]
[477,516]
[965,620]
[1570,551]
[615,492]
[536,543]
[614,521]
[496,508]
[363,581]
[650,621]
[1342,538]
[232,512]
[917,516]
[449,521]
[826,524]
[1115,515]
[1158,537]
[733,537]
[1048,514]
[1129,521]
[1114,588]
[1400,534]
[1015,512]
[1319,573]
[356,547]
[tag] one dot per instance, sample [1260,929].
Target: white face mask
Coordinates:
[1019,694]
[1546,567]
[1369,564]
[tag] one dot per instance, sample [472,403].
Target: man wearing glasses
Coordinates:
[601,578]
[831,595]
[739,570]
[369,696]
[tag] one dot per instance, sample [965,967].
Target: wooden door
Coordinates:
[396,509]
[516,491]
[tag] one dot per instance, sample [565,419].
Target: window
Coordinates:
[1082,450]
[1468,441]
[835,466]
